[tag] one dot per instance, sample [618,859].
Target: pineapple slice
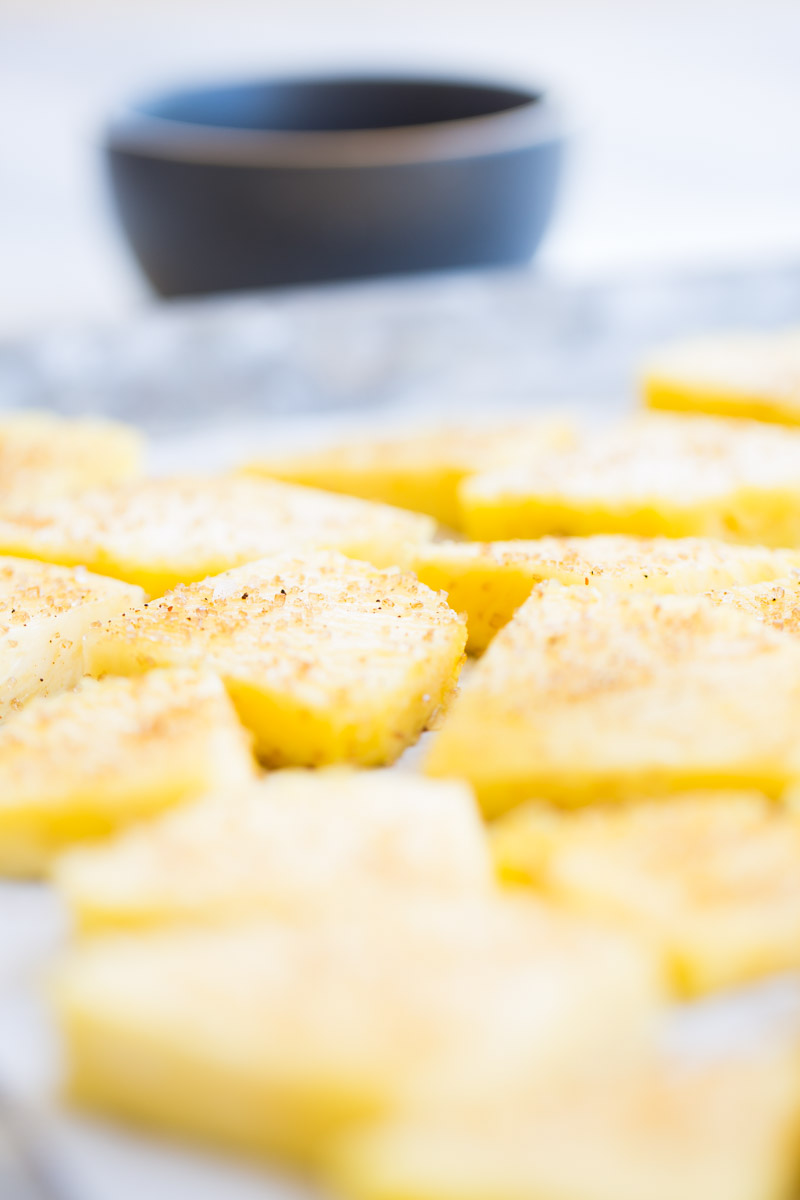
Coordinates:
[420,471]
[753,375]
[326,659]
[490,580]
[669,1128]
[44,613]
[776,604]
[270,1036]
[284,846]
[711,879]
[43,456]
[161,532]
[656,476]
[76,767]
[589,695]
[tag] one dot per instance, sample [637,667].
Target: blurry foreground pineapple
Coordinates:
[670,1128]
[76,767]
[490,580]
[326,659]
[161,532]
[419,471]
[656,476]
[43,455]
[732,374]
[712,879]
[44,613]
[588,696]
[271,1036]
[286,846]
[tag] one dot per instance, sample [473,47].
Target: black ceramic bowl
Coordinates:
[297,180]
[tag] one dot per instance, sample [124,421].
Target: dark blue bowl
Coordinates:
[298,180]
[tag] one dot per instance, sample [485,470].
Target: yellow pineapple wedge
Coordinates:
[284,846]
[713,1127]
[776,604]
[44,456]
[44,612]
[161,532]
[658,475]
[326,659]
[589,695]
[754,375]
[490,580]
[420,471]
[78,766]
[270,1036]
[710,878]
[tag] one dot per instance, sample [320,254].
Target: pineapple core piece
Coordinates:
[753,375]
[284,846]
[490,580]
[272,1035]
[44,613]
[76,767]
[658,475]
[420,471]
[44,456]
[326,659]
[161,532]
[710,879]
[589,695]
[670,1127]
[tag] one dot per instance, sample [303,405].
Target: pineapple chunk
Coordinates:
[490,580]
[284,846]
[589,695]
[656,476]
[776,604]
[161,532]
[44,613]
[711,879]
[76,767]
[326,659]
[420,471]
[272,1035]
[46,456]
[753,375]
[668,1128]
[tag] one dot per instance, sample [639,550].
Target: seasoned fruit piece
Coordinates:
[587,695]
[326,659]
[44,613]
[657,475]
[78,766]
[162,532]
[711,879]
[285,845]
[705,1128]
[733,374]
[43,456]
[420,471]
[490,580]
[271,1036]
[776,604]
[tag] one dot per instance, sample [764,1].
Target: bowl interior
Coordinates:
[317,106]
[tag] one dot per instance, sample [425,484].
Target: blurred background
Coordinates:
[685,148]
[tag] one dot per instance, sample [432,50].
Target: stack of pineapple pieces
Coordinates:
[343,966]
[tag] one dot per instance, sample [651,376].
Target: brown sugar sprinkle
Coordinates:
[273,615]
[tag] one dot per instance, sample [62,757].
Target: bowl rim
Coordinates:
[536,120]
